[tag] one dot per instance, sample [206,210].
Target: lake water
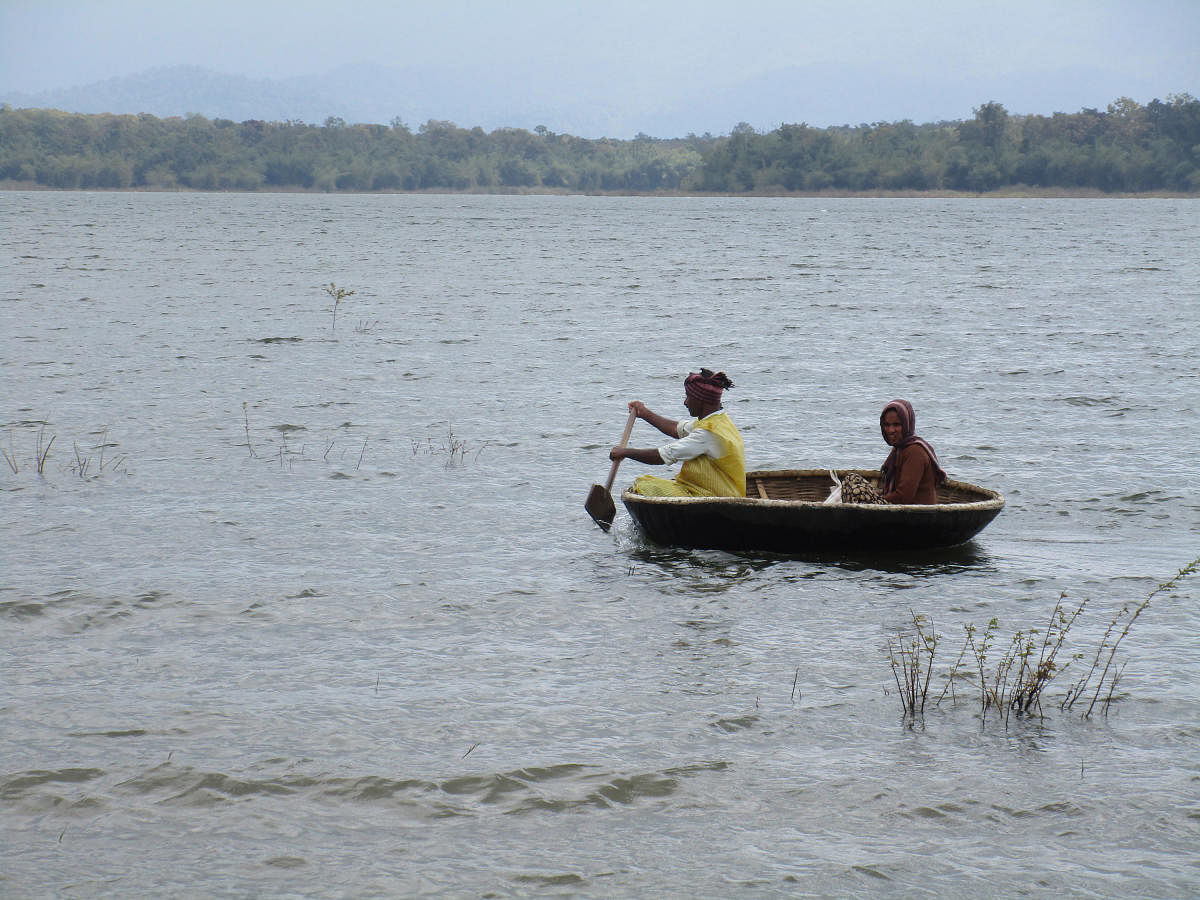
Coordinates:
[304,610]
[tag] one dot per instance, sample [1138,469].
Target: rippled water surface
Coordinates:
[303,610]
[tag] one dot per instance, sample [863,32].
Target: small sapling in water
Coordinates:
[338,294]
[911,657]
[1117,629]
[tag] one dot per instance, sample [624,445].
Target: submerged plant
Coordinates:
[1015,679]
[246,419]
[365,327]
[83,464]
[1120,625]
[338,294]
[11,459]
[911,657]
[1015,682]
[42,451]
[456,448]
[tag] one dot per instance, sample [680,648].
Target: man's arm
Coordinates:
[669,427]
[650,456]
[699,442]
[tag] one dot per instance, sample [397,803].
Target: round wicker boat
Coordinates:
[784,512]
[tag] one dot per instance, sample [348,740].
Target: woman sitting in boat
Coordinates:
[911,472]
[709,445]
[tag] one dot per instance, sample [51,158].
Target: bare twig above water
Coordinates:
[365,327]
[246,417]
[42,452]
[81,465]
[84,464]
[455,448]
[11,459]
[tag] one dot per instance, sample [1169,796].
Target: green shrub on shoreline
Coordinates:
[1127,149]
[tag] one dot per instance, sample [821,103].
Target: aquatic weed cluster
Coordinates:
[1014,679]
[87,463]
[455,449]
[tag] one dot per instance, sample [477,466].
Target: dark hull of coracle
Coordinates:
[785,513]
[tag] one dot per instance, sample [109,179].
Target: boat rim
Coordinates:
[990,500]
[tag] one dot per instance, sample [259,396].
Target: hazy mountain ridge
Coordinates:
[820,95]
[375,94]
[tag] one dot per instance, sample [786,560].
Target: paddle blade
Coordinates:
[600,506]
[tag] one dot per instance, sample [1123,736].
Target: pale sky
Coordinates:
[640,50]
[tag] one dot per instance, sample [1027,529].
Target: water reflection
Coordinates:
[946,561]
[703,571]
[682,562]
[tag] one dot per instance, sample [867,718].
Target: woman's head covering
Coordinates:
[908,418]
[908,437]
[706,386]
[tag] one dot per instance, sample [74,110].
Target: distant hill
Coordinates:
[820,95]
[367,93]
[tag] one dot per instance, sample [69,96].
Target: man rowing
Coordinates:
[708,444]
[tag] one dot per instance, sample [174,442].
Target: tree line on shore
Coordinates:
[1129,147]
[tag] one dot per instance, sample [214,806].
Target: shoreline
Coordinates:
[1017,192]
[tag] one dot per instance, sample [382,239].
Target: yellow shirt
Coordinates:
[707,475]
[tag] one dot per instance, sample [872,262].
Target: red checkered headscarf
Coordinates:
[706,386]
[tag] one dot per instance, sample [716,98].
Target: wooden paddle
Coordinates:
[600,504]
